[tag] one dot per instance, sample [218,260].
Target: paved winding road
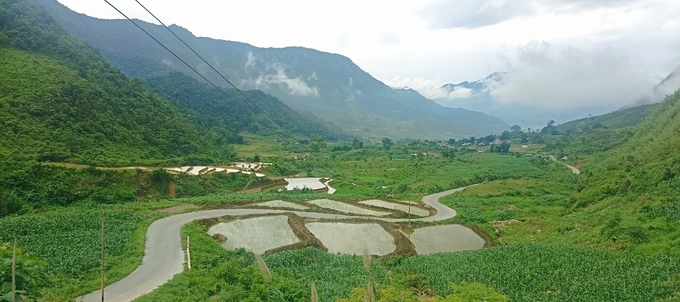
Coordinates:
[164,257]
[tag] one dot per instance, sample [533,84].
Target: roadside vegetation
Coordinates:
[608,234]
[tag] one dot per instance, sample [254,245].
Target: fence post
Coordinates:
[188,254]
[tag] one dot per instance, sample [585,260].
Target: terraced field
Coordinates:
[164,254]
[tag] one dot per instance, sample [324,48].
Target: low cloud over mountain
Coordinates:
[567,77]
[479,13]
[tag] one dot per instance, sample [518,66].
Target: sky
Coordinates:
[558,53]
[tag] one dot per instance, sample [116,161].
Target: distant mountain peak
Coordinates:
[496,76]
[670,83]
[328,85]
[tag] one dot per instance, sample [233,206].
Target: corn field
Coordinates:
[70,241]
[533,272]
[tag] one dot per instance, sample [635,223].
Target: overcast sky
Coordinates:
[611,49]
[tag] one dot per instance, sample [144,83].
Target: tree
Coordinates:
[505,135]
[452,141]
[357,144]
[28,273]
[10,203]
[550,129]
[448,153]
[387,143]
[317,144]
[524,139]
[516,128]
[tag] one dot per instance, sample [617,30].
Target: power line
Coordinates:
[216,71]
[203,77]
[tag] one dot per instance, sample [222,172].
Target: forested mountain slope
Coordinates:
[215,113]
[626,117]
[328,85]
[61,101]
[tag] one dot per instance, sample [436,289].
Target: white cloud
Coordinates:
[390,38]
[295,86]
[430,89]
[480,13]
[433,92]
[568,77]
[443,40]
[251,60]
[460,93]
[668,86]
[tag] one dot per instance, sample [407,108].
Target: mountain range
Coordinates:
[61,101]
[478,96]
[328,85]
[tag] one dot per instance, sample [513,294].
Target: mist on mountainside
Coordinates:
[669,85]
[546,83]
[330,86]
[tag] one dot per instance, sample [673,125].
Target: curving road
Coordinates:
[164,257]
[572,168]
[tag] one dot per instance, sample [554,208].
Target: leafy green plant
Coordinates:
[66,240]
[29,273]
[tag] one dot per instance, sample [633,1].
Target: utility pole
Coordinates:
[102,252]
[14,271]
[409,213]
[188,254]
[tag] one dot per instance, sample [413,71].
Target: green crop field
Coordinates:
[69,241]
[535,272]
[74,111]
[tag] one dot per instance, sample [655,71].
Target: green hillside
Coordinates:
[330,86]
[647,163]
[215,113]
[639,182]
[61,101]
[610,233]
[617,119]
[50,113]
